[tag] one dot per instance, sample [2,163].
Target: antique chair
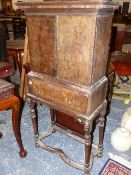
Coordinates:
[9,100]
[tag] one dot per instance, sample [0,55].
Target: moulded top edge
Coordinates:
[68,4]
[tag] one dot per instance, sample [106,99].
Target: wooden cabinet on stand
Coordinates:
[68,45]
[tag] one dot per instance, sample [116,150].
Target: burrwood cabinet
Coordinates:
[68,49]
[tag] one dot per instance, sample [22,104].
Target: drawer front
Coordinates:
[58,94]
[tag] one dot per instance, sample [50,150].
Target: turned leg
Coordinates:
[16,124]
[87,129]
[111,81]
[34,119]
[101,130]
[52,113]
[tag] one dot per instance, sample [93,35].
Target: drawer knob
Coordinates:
[69,100]
[30,82]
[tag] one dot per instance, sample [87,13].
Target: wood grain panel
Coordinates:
[98,96]
[68,122]
[76,40]
[42,44]
[101,50]
[59,94]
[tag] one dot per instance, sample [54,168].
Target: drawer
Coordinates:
[58,94]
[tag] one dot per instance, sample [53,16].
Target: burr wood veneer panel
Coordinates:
[64,47]
[59,94]
[76,43]
[101,48]
[98,96]
[42,44]
[80,100]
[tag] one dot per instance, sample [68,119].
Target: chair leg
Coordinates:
[14,103]
[16,126]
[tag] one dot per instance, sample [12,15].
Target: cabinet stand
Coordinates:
[91,150]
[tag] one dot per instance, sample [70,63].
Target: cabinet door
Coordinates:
[42,44]
[76,42]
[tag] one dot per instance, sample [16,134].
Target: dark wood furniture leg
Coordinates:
[53,113]
[87,146]
[32,106]
[1,135]
[101,130]
[14,103]
[19,60]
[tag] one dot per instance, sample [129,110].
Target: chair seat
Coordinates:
[6,69]
[6,90]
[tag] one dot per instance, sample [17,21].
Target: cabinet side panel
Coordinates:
[76,41]
[42,44]
[98,96]
[101,50]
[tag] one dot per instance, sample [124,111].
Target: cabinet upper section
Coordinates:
[69,40]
